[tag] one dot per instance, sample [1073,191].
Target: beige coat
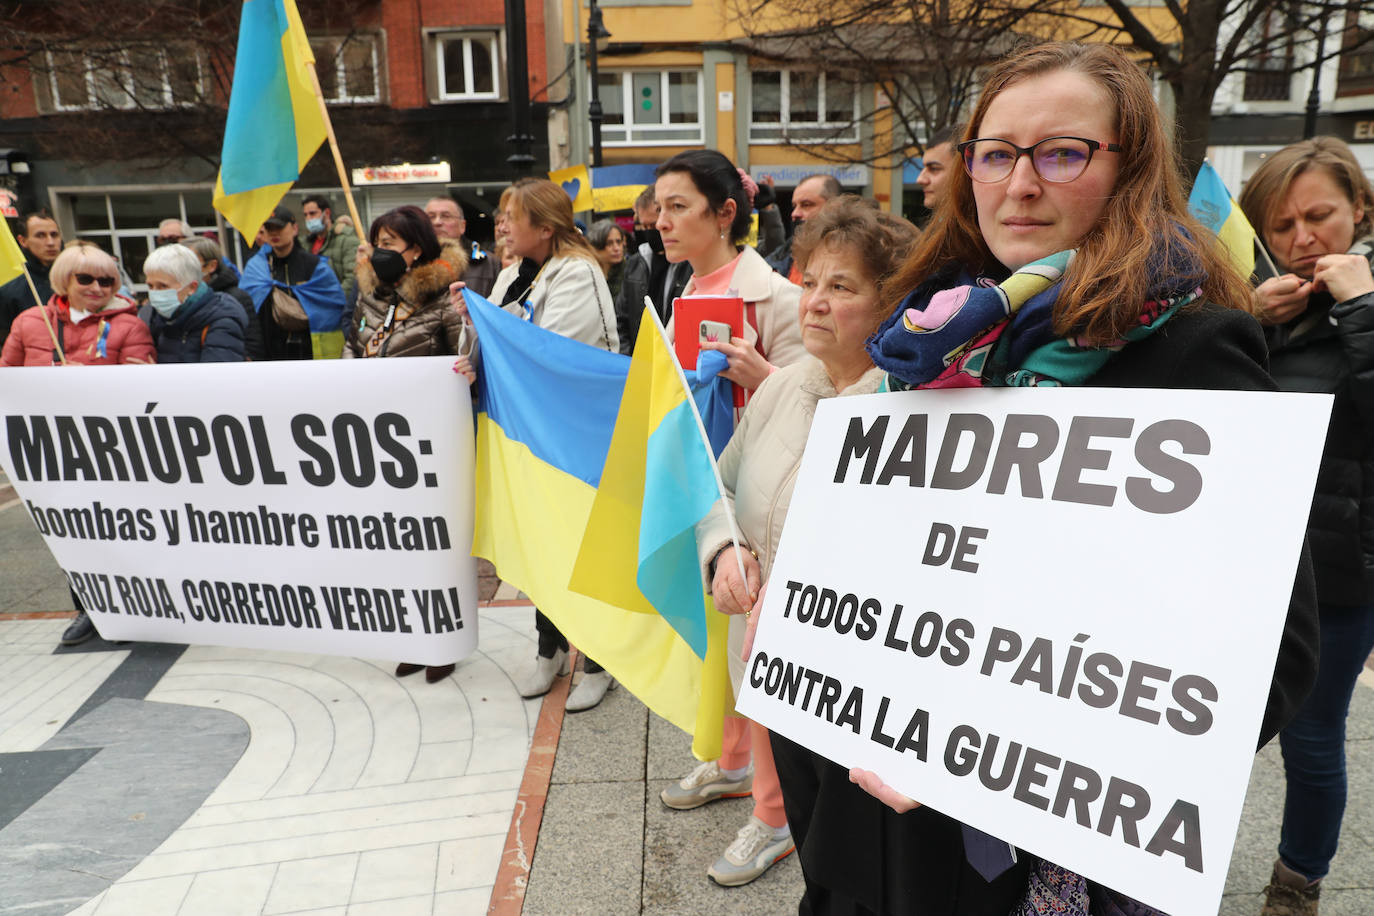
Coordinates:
[759,469]
[777,307]
[569,297]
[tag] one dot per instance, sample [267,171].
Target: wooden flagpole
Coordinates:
[47,322]
[334,148]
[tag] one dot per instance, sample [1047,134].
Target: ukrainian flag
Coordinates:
[274,124]
[615,187]
[551,429]
[12,263]
[1212,205]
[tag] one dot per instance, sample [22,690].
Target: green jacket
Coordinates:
[341,248]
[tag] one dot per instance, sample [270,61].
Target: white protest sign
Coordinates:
[1050,613]
[306,506]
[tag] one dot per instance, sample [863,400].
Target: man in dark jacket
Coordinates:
[449,223]
[41,240]
[290,264]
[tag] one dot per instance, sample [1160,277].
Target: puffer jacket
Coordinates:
[225,280]
[209,327]
[759,469]
[113,335]
[1329,348]
[425,324]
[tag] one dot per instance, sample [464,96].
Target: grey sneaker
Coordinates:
[753,852]
[706,784]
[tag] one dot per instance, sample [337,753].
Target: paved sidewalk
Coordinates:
[149,780]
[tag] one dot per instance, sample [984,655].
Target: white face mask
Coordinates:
[164,301]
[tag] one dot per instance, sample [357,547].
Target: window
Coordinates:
[1271,76]
[468,66]
[126,78]
[642,107]
[124,223]
[802,105]
[1356,74]
[348,68]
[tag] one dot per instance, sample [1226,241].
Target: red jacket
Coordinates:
[113,335]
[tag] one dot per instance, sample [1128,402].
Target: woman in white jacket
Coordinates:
[557,284]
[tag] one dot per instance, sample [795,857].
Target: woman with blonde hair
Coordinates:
[1069,201]
[1312,205]
[557,284]
[85,323]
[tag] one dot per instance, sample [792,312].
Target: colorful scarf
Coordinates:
[979,333]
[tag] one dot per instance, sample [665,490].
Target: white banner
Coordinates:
[305,506]
[1050,613]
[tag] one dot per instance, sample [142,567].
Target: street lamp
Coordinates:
[1314,98]
[596,32]
[518,84]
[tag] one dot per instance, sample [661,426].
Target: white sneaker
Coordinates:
[753,852]
[589,691]
[545,670]
[706,784]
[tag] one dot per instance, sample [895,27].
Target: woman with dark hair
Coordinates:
[1312,204]
[1068,188]
[403,308]
[704,206]
[627,276]
[403,279]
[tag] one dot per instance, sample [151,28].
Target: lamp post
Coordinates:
[518,83]
[596,32]
[1309,121]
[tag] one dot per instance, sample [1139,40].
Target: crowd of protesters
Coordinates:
[1065,151]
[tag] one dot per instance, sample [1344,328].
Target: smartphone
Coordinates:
[714,330]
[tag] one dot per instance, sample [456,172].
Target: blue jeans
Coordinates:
[1314,744]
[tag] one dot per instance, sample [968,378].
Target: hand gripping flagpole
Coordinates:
[705,439]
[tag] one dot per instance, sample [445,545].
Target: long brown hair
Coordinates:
[1145,224]
[546,204]
[1269,185]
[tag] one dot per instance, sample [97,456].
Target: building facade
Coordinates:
[117,134]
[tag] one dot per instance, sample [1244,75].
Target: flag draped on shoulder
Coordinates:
[1213,206]
[553,435]
[274,124]
[320,295]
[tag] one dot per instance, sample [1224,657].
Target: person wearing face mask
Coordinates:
[404,274]
[191,323]
[332,239]
[297,296]
[220,276]
[1313,206]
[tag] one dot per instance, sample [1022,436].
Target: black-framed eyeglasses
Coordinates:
[1055,159]
[88,279]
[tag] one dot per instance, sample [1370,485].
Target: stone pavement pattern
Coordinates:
[292,784]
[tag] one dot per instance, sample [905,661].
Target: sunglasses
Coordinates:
[88,279]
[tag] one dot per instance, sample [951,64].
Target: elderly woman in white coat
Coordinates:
[844,253]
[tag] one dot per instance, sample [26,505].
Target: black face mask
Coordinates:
[652,237]
[388,265]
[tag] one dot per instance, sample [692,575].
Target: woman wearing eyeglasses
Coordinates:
[94,325]
[1066,167]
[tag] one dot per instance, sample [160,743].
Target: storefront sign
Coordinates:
[424,173]
[792,175]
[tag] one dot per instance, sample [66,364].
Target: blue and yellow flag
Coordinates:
[546,423]
[615,187]
[320,295]
[274,124]
[12,260]
[576,182]
[1213,206]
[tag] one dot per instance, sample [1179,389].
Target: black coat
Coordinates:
[859,856]
[205,330]
[1329,348]
[629,301]
[15,296]
[224,280]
